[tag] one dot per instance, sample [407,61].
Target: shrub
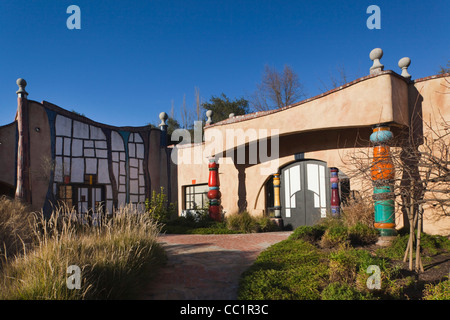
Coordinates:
[334,236]
[347,263]
[342,291]
[308,233]
[440,291]
[361,234]
[434,244]
[431,244]
[343,266]
[244,222]
[291,284]
[290,269]
[158,207]
[265,224]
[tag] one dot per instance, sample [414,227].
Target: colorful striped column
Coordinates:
[276,195]
[215,210]
[382,173]
[335,199]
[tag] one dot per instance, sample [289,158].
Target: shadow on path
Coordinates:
[206,267]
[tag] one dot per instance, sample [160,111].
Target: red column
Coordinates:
[215,210]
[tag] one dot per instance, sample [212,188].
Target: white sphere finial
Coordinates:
[375,55]
[404,63]
[163,117]
[22,84]
[209,116]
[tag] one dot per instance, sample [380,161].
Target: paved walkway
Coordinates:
[207,267]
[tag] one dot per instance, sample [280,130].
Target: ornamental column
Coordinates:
[276,195]
[382,172]
[335,199]
[215,210]
[23,187]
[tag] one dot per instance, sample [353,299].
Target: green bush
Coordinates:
[242,222]
[246,223]
[335,236]
[291,284]
[308,233]
[361,234]
[434,244]
[440,291]
[290,269]
[265,224]
[342,291]
[431,245]
[158,207]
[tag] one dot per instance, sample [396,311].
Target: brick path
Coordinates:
[207,267]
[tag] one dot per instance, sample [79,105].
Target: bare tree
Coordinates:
[335,81]
[277,89]
[422,180]
[421,159]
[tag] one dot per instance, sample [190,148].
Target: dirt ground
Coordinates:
[435,271]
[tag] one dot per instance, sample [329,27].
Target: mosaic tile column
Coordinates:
[382,173]
[335,199]
[215,211]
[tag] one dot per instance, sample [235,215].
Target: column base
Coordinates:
[385,241]
[278,222]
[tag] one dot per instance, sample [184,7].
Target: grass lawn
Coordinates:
[330,262]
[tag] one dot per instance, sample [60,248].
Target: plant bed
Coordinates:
[201,223]
[330,261]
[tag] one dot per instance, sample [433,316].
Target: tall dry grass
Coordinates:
[115,257]
[16,229]
[358,211]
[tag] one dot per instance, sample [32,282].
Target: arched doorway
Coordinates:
[305,192]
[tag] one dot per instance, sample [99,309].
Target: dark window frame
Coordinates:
[192,195]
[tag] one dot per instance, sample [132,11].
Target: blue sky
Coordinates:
[131,59]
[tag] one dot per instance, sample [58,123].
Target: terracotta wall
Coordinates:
[40,154]
[7,154]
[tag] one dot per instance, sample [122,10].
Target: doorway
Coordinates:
[305,192]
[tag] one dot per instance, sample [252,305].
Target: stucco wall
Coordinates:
[40,154]
[329,128]
[430,97]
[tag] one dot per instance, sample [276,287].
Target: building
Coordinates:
[300,148]
[49,154]
[289,163]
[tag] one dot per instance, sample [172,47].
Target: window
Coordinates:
[83,197]
[65,195]
[196,196]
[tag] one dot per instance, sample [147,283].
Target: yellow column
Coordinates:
[276,193]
